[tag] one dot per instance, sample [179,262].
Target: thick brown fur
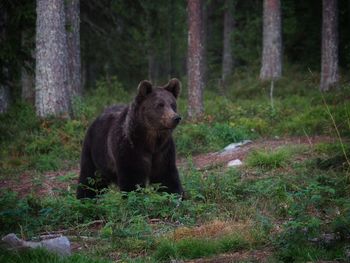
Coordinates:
[131,144]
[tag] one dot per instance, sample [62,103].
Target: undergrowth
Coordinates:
[296,198]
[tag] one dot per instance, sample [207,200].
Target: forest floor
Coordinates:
[51,183]
[48,183]
[287,202]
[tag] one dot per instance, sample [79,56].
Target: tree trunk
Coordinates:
[73,44]
[4,87]
[170,28]
[52,95]
[27,82]
[4,98]
[329,63]
[271,68]
[195,59]
[152,66]
[27,76]
[205,38]
[227,58]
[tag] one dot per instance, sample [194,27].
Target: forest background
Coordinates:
[274,72]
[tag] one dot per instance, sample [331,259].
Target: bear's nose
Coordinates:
[177,119]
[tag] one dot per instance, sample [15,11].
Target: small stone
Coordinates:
[58,245]
[233,147]
[233,163]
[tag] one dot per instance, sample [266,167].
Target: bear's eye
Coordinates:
[173,106]
[160,105]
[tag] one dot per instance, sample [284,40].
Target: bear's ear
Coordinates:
[144,88]
[174,86]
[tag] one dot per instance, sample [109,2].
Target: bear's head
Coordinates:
[157,107]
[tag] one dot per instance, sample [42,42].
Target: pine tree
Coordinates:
[73,44]
[329,63]
[52,95]
[4,88]
[195,59]
[271,68]
[227,57]
[27,74]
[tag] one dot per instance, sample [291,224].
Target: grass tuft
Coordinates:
[268,159]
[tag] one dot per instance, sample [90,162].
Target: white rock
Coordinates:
[236,162]
[58,245]
[233,146]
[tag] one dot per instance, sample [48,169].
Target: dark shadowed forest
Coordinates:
[262,149]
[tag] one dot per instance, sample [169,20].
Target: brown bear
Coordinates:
[130,145]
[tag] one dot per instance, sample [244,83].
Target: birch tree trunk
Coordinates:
[73,44]
[52,96]
[227,57]
[271,68]
[195,59]
[329,63]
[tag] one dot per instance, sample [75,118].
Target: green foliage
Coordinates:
[126,216]
[198,248]
[108,91]
[42,256]
[268,160]
[322,197]
[46,145]
[291,195]
[196,138]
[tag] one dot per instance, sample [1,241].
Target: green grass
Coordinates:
[42,256]
[290,194]
[197,248]
[269,159]
[308,201]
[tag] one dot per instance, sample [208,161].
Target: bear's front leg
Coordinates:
[169,179]
[131,177]
[164,171]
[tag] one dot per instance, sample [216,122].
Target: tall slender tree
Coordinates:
[73,44]
[195,58]
[271,68]
[329,63]
[27,82]
[27,74]
[4,87]
[227,56]
[52,95]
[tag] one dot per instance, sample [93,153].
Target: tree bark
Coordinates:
[205,18]
[73,44]
[27,75]
[170,29]
[152,68]
[27,81]
[4,87]
[329,63]
[4,98]
[195,59]
[271,68]
[52,95]
[227,57]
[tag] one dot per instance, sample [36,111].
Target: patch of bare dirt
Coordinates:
[39,185]
[205,161]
